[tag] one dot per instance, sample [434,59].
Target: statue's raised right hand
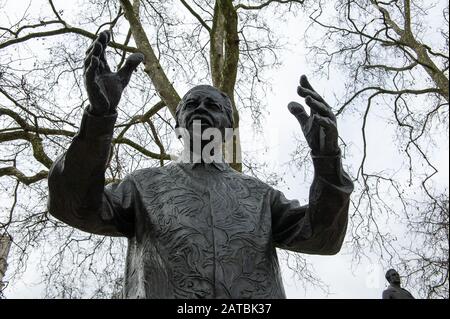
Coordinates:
[320,127]
[104,88]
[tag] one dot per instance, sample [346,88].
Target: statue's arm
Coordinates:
[77,192]
[320,226]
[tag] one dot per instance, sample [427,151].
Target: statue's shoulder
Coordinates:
[151,173]
[390,288]
[250,181]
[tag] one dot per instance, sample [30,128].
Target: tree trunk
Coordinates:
[407,39]
[224,53]
[153,68]
[224,56]
[431,68]
[5,244]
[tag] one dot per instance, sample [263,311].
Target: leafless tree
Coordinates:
[394,63]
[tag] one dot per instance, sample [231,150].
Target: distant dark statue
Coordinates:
[395,291]
[197,228]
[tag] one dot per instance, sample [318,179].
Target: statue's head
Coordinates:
[208,106]
[392,276]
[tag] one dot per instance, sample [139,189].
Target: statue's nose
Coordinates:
[202,107]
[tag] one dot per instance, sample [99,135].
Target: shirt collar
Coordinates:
[185,159]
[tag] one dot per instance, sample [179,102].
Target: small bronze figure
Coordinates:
[395,291]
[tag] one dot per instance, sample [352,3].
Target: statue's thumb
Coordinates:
[299,112]
[131,64]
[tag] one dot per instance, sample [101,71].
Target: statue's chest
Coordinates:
[205,235]
[207,209]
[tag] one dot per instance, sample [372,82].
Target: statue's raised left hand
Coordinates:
[104,88]
[319,128]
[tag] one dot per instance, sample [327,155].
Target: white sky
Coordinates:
[344,279]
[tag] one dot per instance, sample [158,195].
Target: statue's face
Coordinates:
[393,277]
[207,105]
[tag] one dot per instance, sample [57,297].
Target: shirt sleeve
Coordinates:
[320,226]
[76,182]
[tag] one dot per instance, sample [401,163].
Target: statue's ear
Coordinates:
[177,113]
[229,107]
[182,132]
[177,127]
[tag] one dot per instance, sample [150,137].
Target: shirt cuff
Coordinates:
[327,165]
[93,127]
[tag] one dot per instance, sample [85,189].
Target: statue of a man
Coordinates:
[197,229]
[395,291]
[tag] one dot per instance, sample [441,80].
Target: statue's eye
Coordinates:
[190,105]
[215,106]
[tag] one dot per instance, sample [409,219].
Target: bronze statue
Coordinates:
[395,291]
[197,229]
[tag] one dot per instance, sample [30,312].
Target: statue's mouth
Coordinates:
[205,121]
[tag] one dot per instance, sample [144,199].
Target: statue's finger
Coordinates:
[89,49]
[305,83]
[102,58]
[328,140]
[131,64]
[92,70]
[319,107]
[325,122]
[305,92]
[98,51]
[299,112]
[95,51]
[104,37]
[103,64]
